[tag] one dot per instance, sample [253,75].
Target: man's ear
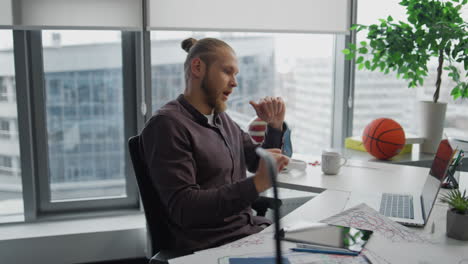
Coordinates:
[198,68]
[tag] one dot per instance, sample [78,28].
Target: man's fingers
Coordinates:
[282,162]
[269,106]
[253,104]
[258,108]
[280,105]
[265,110]
[275,106]
[282,108]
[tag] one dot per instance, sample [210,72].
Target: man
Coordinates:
[197,156]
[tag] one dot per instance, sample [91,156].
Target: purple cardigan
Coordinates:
[199,171]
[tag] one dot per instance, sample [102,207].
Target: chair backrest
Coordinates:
[156,216]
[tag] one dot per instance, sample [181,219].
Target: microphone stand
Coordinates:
[272,170]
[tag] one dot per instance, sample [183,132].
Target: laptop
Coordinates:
[411,209]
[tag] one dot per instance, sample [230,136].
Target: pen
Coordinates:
[310,250]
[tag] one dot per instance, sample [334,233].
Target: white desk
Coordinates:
[334,192]
[357,175]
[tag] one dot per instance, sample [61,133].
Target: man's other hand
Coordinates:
[271,110]
[262,179]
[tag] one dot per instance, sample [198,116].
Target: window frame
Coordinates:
[343,97]
[30,87]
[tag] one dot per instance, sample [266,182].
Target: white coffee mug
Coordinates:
[332,162]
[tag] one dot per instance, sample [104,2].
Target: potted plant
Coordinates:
[434,29]
[457,214]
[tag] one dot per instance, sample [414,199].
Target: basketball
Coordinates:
[383,138]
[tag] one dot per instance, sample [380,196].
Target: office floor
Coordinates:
[124,261]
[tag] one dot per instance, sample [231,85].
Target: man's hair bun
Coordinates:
[188,43]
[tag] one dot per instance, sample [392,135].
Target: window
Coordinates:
[81,69]
[11,194]
[297,67]
[379,95]
[3,90]
[5,161]
[4,129]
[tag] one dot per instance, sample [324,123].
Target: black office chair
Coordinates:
[156,217]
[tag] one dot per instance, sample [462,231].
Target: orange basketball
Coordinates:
[383,138]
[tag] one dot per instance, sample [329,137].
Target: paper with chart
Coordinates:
[260,241]
[394,243]
[304,258]
[262,245]
[419,253]
[364,217]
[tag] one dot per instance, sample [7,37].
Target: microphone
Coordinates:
[273,172]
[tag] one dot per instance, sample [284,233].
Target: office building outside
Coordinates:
[84,108]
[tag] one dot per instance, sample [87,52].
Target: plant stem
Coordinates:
[439,75]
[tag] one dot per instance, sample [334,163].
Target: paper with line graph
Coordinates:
[364,217]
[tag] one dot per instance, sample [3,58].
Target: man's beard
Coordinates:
[213,96]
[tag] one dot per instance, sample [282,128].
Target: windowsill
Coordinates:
[91,239]
[132,219]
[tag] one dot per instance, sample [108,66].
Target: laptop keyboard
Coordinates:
[397,205]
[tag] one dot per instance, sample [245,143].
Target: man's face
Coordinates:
[220,80]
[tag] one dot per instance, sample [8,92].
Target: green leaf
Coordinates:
[363,43]
[367,64]
[361,27]
[455,91]
[361,66]
[382,65]
[390,19]
[363,50]
[352,46]
[360,59]
[346,51]
[349,56]
[354,26]
[421,81]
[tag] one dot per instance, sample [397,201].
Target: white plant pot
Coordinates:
[431,117]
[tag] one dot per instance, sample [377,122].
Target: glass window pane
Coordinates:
[11,195]
[297,67]
[83,77]
[379,95]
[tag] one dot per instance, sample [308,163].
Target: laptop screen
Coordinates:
[437,173]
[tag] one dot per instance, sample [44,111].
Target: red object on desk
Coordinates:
[383,138]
